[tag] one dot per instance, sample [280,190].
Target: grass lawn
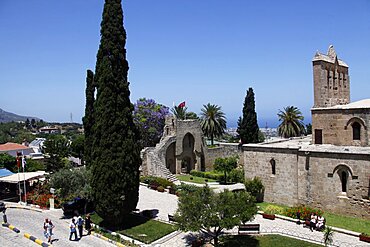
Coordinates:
[341,221]
[197,180]
[137,227]
[264,241]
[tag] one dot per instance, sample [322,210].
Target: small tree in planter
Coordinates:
[328,236]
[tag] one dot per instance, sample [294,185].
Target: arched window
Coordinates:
[273,166]
[356,130]
[344,178]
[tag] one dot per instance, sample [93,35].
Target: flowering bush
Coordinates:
[149,118]
[303,210]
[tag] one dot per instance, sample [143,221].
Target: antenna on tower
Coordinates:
[71,117]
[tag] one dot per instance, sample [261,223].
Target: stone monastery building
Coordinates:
[331,171]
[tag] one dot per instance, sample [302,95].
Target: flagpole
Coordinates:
[24,179]
[19,182]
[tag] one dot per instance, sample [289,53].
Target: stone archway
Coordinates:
[188,158]
[171,158]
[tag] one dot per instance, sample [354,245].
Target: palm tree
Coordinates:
[291,122]
[213,121]
[179,112]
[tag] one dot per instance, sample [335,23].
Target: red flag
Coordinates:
[182,104]
[18,162]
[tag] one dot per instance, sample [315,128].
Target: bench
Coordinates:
[171,218]
[244,229]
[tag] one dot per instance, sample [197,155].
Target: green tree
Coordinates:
[71,183]
[248,129]
[115,141]
[255,188]
[57,147]
[88,119]
[8,162]
[179,112]
[33,123]
[213,121]
[27,124]
[308,129]
[291,122]
[78,146]
[225,165]
[211,213]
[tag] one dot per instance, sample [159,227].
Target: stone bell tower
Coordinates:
[330,79]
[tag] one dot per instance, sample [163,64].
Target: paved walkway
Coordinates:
[32,222]
[167,204]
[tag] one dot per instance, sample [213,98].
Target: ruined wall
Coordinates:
[282,187]
[222,151]
[336,126]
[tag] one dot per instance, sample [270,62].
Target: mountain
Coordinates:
[9,117]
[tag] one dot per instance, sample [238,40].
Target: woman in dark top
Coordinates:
[88,224]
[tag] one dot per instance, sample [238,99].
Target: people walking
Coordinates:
[88,224]
[73,230]
[80,223]
[48,229]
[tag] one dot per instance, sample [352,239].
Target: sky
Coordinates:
[208,51]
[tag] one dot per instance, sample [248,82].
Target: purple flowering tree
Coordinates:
[149,118]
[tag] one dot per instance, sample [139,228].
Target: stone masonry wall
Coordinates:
[282,187]
[222,151]
[320,186]
[336,126]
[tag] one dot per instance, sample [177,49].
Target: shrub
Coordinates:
[150,180]
[196,173]
[273,209]
[186,188]
[215,176]
[160,189]
[303,210]
[255,187]
[236,176]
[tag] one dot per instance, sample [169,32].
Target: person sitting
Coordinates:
[313,221]
[320,225]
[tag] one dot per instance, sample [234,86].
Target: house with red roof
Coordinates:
[13,148]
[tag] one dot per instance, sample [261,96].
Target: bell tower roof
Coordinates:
[330,57]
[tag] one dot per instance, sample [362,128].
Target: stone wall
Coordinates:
[222,151]
[280,187]
[312,178]
[320,186]
[336,126]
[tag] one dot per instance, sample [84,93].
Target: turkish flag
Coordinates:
[18,162]
[182,104]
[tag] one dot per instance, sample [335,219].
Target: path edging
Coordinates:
[36,240]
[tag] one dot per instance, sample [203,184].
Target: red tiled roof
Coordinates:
[12,146]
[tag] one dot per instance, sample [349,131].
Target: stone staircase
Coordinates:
[158,163]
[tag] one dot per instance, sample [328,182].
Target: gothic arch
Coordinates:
[356,120]
[341,167]
[344,172]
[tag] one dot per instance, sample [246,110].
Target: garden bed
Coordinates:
[139,228]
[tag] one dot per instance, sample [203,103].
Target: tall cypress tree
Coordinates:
[115,150]
[88,119]
[247,125]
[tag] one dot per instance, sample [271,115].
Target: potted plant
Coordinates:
[268,216]
[270,211]
[172,190]
[160,189]
[365,237]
